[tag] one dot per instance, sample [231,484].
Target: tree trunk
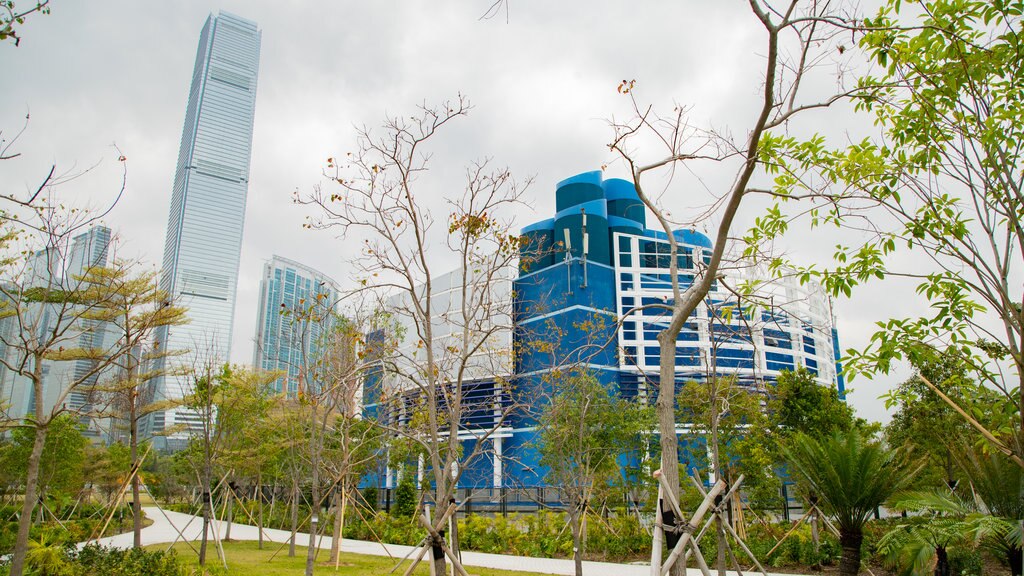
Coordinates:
[437,560]
[259,504]
[133,442]
[230,514]
[31,481]
[339,525]
[666,411]
[716,466]
[453,535]
[295,516]
[206,522]
[849,564]
[577,539]
[942,567]
[1014,558]
[314,513]
[815,537]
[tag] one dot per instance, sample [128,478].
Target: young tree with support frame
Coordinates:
[811,32]
[452,340]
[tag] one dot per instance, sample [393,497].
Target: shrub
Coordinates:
[405,496]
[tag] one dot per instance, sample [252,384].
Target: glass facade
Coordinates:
[288,337]
[52,269]
[207,212]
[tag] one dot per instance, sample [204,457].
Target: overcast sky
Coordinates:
[543,83]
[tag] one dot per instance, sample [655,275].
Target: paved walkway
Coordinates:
[166,526]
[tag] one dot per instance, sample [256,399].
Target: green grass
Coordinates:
[246,559]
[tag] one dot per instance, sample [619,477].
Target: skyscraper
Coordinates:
[204,227]
[54,270]
[286,339]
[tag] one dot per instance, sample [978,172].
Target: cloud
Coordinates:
[104,72]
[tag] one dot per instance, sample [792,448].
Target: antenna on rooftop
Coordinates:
[568,259]
[586,245]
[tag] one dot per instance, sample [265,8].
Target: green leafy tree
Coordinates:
[133,310]
[930,426]
[405,494]
[799,404]
[851,477]
[944,181]
[583,432]
[731,416]
[60,466]
[106,467]
[223,399]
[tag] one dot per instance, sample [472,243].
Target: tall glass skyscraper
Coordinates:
[207,213]
[288,339]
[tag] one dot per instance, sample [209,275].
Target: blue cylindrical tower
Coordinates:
[580,203]
[537,250]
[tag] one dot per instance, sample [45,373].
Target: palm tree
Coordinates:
[944,521]
[851,477]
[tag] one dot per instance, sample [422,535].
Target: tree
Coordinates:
[223,399]
[352,444]
[455,333]
[851,477]
[943,181]
[106,468]
[58,342]
[928,424]
[810,33]
[11,16]
[584,431]
[799,404]
[736,429]
[61,463]
[133,311]
[944,522]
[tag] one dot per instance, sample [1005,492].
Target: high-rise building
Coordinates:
[294,317]
[51,269]
[207,212]
[589,296]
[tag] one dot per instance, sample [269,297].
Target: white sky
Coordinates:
[104,72]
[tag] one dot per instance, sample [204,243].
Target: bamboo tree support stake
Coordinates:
[698,557]
[999,445]
[120,493]
[439,540]
[733,491]
[689,527]
[216,535]
[791,530]
[696,539]
[656,547]
[828,523]
[428,542]
[255,523]
[168,518]
[694,548]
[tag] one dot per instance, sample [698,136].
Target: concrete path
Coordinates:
[166,525]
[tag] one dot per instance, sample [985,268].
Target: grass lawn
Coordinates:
[245,559]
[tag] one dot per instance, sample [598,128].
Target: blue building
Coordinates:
[595,273]
[586,295]
[295,307]
[207,212]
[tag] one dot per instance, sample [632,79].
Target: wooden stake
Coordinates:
[658,537]
[706,505]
